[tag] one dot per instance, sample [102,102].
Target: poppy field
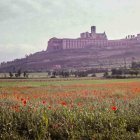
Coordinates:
[70,110]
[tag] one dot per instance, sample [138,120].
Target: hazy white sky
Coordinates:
[27,25]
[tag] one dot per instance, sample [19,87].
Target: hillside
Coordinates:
[75,59]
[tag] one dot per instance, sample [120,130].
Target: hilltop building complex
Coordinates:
[89,40]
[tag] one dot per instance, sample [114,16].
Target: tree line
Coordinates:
[18,74]
[121,72]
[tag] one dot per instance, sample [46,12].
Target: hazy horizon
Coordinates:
[27,25]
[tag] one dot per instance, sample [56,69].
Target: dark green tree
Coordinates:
[19,72]
[10,74]
[106,74]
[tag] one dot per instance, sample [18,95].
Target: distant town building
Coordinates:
[89,40]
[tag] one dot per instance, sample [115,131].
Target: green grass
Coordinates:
[59,82]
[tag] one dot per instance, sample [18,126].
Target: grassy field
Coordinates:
[60,82]
[62,109]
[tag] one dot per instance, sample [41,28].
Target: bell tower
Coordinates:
[93,29]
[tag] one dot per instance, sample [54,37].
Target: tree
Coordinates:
[131,72]
[82,74]
[53,74]
[66,74]
[135,65]
[136,72]
[10,74]
[19,72]
[106,74]
[25,74]
[117,71]
[113,71]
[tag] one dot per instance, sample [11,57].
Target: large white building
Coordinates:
[93,39]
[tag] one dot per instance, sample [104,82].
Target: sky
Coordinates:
[27,25]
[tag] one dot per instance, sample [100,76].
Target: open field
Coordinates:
[60,81]
[70,109]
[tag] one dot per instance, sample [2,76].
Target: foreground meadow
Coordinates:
[70,110]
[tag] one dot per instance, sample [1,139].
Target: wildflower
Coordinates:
[49,107]
[17,109]
[44,102]
[24,102]
[64,103]
[114,108]
[79,104]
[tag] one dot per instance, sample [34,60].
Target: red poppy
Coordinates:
[64,103]
[114,108]
[17,109]
[24,102]
[44,102]
[49,107]
[79,104]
